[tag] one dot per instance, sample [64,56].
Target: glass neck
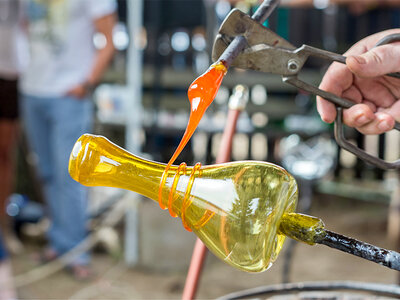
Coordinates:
[95,161]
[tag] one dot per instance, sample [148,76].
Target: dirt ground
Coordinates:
[113,280]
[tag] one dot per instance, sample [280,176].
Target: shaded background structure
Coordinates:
[145,253]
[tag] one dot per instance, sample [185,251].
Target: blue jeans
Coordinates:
[52,126]
[3,251]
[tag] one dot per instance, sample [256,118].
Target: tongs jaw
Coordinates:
[268,52]
[263,45]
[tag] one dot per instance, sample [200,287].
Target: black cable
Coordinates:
[374,288]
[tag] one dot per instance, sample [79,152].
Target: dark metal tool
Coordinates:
[238,42]
[311,230]
[258,48]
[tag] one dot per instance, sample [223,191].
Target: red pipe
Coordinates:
[224,154]
[194,272]
[200,251]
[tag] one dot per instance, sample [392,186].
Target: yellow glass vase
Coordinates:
[234,208]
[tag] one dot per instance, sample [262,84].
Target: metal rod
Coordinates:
[264,10]
[391,38]
[360,153]
[387,258]
[311,230]
[239,42]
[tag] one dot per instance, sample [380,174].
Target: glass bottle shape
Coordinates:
[234,208]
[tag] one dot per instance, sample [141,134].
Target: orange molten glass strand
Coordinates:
[201,94]
[181,169]
[187,200]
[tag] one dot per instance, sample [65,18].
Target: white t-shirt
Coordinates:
[61,44]
[13,43]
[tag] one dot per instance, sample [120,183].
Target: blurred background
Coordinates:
[141,105]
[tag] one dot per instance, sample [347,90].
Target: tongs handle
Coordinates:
[391,38]
[345,144]
[307,51]
[339,132]
[344,103]
[340,102]
[312,51]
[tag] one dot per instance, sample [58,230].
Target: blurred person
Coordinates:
[362,80]
[13,58]
[56,107]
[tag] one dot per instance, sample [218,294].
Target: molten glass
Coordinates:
[234,208]
[201,94]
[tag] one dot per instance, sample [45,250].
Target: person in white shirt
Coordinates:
[56,106]
[13,58]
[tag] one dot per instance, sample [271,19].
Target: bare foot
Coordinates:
[81,272]
[47,255]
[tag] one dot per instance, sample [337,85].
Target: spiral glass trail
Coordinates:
[234,208]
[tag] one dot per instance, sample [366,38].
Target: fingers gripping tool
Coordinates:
[265,51]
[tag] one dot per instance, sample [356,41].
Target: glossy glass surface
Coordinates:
[234,208]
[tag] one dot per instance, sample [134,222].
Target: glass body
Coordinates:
[234,208]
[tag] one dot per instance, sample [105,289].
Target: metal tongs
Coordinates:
[266,51]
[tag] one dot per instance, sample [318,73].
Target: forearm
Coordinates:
[101,62]
[103,56]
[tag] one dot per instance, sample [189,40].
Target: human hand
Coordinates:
[361,80]
[79,91]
